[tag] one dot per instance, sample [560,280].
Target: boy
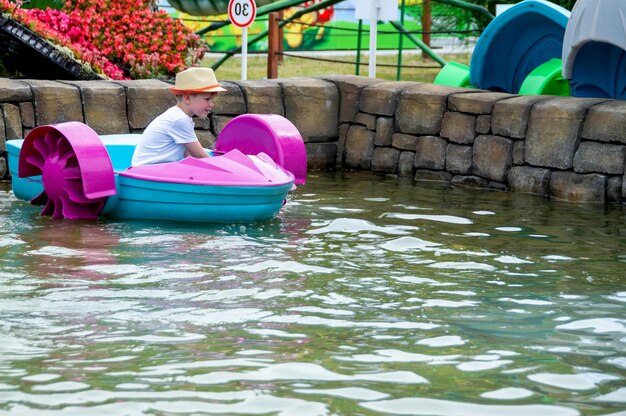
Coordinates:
[171,136]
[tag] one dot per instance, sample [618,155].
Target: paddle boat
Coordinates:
[76,174]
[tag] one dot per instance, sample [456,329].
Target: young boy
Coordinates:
[171,137]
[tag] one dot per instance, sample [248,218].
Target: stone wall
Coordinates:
[564,148]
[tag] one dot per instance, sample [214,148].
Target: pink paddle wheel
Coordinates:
[75,167]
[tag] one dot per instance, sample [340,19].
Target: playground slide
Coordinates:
[594,49]
[516,42]
[519,52]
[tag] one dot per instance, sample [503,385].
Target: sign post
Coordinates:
[242,14]
[375,10]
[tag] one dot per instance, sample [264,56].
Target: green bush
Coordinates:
[43,4]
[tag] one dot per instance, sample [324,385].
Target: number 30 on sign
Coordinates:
[241,12]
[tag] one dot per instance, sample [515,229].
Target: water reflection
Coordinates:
[367,295]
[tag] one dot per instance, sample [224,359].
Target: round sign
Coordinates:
[241,12]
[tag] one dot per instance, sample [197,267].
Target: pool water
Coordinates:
[366,296]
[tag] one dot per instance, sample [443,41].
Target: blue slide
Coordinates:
[594,49]
[516,42]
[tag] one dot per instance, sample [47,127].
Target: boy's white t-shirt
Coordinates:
[164,139]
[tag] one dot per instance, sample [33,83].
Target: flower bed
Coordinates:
[119,39]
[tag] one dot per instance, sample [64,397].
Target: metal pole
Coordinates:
[400,39]
[426,21]
[244,54]
[358,48]
[373,30]
[419,43]
[272,46]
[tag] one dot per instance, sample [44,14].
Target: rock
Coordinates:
[321,156]
[350,88]
[575,187]
[359,148]
[405,164]
[368,120]
[384,131]
[458,158]
[600,158]
[104,106]
[483,124]
[470,181]
[476,101]
[262,96]
[493,157]
[530,180]
[12,122]
[430,153]
[382,98]
[423,175]
[614,189]
[146,99]
[421,107]
[458,127]
[404,142]
[605,122]
[510,117]
[553,131]
[27,113]
[12,90]
[385,159]
[47,96]
[312,106]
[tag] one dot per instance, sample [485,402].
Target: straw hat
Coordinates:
[196,80]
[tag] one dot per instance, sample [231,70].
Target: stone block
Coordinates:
[368,120]
[576,187]
[614,189]
[219,122]
[384,131]
[12,122]
[530,180]
[405,164]
[483,124]
[350,87]
[27,112]
[498,186]
[458,127]
[202,123]
[359,148]
[605,122]
[476,102]
[458,158]
[430,153]
[48,96]
[4,171]
[510,117]
[493,157]
[321,156]
[382,98]
[404,142]
[600,158]
[104,106]
[423,175]
[421,107]
[519,147]
[230,102]
[12,90]
[385,159]
[341,143]
[470,181]
[312,106]
[145,100]
[3,137]
[263,96]
[206,139]
[553,131]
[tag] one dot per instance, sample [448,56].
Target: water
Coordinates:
[366,296]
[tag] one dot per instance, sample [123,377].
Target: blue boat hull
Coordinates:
[140,199]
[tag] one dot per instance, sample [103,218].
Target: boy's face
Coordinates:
[201,104]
